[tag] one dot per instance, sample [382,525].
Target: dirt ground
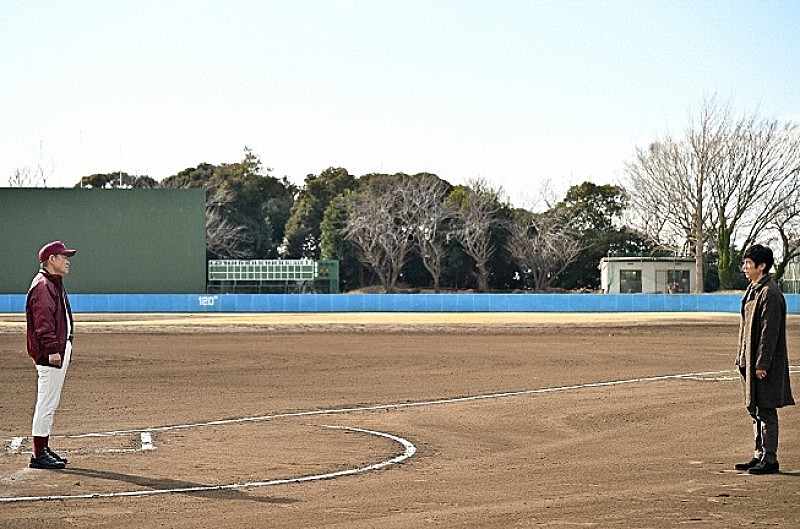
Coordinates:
[472,420]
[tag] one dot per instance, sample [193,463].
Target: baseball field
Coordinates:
[395,421]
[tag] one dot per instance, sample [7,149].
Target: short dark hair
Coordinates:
[758,253]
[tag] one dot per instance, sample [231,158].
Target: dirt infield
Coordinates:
[443,420]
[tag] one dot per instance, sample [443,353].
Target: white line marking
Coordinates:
[713,379]
[15,444]
[147,441]
[409,447]
[379,407]
[409,451]
[705,375]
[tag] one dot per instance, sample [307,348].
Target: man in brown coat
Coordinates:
[763,358]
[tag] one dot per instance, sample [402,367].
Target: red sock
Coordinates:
[39,444]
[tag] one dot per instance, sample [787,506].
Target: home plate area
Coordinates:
[128,442]
[204,458]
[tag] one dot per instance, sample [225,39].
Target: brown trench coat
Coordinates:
[762,342]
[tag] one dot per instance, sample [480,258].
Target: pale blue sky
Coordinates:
[515,92]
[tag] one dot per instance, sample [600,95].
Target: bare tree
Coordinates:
[545,197]
[656,202]
[756,182]
[786,223]
[20,177]
[429,216]
[724,183]
[379,224]
[476,217]
[542,245]
[28,177]
[225,239]
[670,183]
[44,168]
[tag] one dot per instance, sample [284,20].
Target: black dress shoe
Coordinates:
[56,456]
[765,468]
[46,461]
[747,466]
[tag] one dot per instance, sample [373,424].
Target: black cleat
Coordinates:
[765,468]
[46,461]
[747,466]
[56,456]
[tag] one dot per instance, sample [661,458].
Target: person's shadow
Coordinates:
[168,484]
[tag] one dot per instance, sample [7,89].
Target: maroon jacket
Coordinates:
[46,311]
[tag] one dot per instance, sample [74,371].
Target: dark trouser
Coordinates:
[765,431]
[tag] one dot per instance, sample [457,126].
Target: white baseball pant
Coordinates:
[51,381]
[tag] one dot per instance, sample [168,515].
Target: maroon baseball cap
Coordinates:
[54,248]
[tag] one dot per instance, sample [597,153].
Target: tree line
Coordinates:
[403,231]
[710,192]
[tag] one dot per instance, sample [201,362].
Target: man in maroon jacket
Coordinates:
[49,336]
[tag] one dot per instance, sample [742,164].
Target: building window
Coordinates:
[630,281]
[678,281]
[791,277]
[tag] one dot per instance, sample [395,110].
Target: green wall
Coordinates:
[140,241]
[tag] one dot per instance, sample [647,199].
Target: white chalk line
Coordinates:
[409,451]
[14,445]
[702,376]
[147,441]
[401,405]
[147,445]
[145,438]
[409,447]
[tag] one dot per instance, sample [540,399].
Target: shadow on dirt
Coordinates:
[170,484]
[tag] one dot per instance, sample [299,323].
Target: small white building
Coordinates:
[647,275]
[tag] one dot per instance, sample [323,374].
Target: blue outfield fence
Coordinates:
[11,303]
